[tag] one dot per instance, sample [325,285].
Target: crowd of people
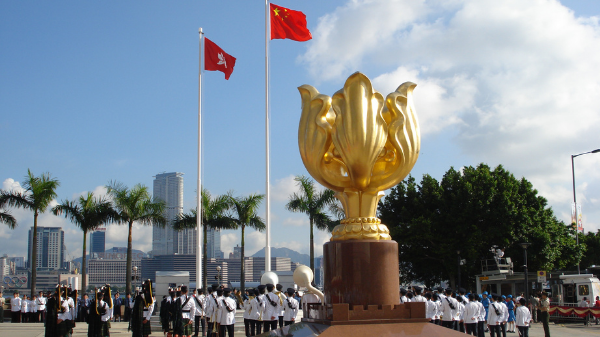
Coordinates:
[476,314]
[201,314]
[196,313]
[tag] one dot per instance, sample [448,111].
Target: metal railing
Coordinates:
[502,265]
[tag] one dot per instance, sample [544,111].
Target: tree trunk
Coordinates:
[33,262]
[205,259]
[83,269]
[128,265]
[312,247]
[242,266]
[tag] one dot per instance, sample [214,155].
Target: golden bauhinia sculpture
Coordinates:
[358,145]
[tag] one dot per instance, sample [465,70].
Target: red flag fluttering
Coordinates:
[216,59]
[288,24]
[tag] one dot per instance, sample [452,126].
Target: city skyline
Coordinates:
[510,83]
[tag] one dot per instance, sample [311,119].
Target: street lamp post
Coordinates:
[525,245]
[218,277]
[575,199]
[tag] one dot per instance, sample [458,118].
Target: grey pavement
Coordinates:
[120,329]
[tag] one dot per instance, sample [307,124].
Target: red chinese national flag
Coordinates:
[288,24]
[216,59]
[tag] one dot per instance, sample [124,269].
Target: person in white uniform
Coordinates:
[226,314]
[199,317]
[290,307]
[257,308]
[210,309]
[471,316]
[282,297]
[418,298]
[271,311]
[63,315]
[41,306]
[523,318]
[449,309]
[25,309]
[247,298]
[188,311]
[494,317]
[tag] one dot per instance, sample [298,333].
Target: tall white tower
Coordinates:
[168,187]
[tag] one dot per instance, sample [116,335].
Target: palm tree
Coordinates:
[245,210]
[39,192]
[213,216]
[312,203]
[135,205]
[88,215]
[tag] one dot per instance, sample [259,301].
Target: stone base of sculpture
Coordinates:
[361,272]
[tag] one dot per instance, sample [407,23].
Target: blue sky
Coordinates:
[100,91]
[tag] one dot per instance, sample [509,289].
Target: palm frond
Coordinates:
[185,221]
[71,210]
[245,210]
[42,189]
[321,220]
[8,219]
[16,199]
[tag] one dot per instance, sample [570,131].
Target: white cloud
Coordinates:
[299,222]
[141,236]
[283,189]
[255,241]
[12,185]
[99,191]
[228,241]
[515,81]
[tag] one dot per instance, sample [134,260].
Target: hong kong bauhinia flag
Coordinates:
[216,59]
[288,24]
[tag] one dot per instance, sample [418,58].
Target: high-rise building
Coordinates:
[19,261]
[50,247]
[97,242]
[113,271]
[168,187]
[213,244]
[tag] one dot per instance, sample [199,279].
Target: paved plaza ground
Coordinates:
[120,329]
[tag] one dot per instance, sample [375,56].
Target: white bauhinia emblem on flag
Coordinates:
[222,60]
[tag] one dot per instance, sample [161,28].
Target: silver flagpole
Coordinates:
[199,187]
[267,194]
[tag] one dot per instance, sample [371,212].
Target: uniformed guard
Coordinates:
[199,316]
[494,317]
[186,306]
[52,308]
[247,298]
[164,313]
[142,311]
[210,309]
[282,298]
[449,309]
[226,315]
[418,298]
[257,311]
[99,316]
[403,298]
[72,301]
[290,307]
[41,307]
[271,314]
[486,305]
